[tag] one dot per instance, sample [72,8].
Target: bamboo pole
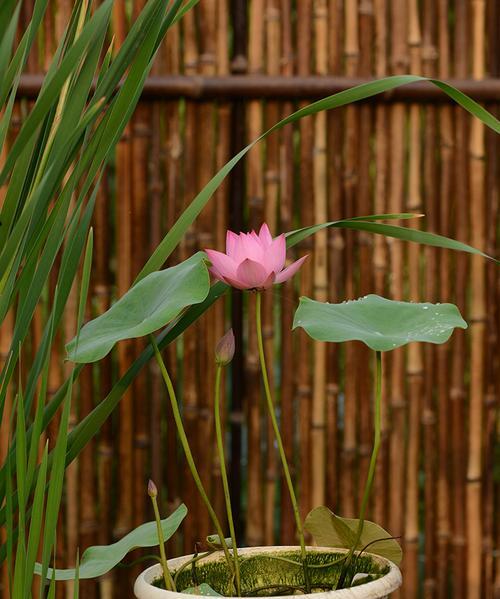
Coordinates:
[237,192]
[320,266]
[429,419]
[492,366]
[414,363]
[271,198]
[380,256]
[255,517]
[194,343]
[364,241]
[124,190]
[350,449]
[101,293]
[222,155]
[286,212]
[206,238]
[171,151]
[477,316]
[458,392]
[442,352]
[304,391]
[335,257]
[399,60]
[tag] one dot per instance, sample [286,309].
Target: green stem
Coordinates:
[225,484]
[187,452]
[169,583]
[371,469]
[277,434]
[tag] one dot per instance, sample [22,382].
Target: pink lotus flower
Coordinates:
[253,261]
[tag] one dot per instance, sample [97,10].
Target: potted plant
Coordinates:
[353,557]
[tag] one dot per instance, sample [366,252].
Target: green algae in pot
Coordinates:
[273,571]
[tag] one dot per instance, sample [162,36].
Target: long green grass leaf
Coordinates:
[55,484]
[48,96]
[36,522]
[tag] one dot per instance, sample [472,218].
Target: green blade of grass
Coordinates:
[55,484]
[7,36]
[36,522]
[20,562]
[91,32]
[17,64]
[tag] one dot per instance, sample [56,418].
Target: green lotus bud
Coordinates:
[224,351]
[152,490]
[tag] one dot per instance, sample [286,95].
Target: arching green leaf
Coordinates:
[100,559]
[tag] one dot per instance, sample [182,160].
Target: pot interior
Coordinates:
[272,573]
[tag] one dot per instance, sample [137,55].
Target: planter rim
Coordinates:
[382,587]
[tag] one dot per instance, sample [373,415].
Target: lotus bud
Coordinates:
[224,352]
[152,490]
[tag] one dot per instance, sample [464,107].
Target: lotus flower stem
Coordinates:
[187,452]
[225,484]
[277,434]
[371,468]
[167,577]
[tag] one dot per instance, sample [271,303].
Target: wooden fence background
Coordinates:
[435,484]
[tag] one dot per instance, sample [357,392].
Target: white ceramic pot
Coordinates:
[375,589]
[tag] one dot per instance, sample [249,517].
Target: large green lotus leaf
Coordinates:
[151,304]
[330,530]
[380,323]
[100,559]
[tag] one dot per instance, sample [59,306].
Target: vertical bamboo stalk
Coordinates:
[459,349]
[255,190]
[124,191]
[380,261]
[171,151]
[477,317]
[335,255]
[442,370]
[239,64]
[271,197]
[429,56]
[287,369]
[222,154]
[140,144]
[304,394]
[87,529]
[320,274]
[414,365]
[351,411]
[399,58]
[206,238]
[492,366]
[192,347]
[141,140]
[101,292]
[364,240]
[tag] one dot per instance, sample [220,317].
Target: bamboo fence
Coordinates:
[437,485]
